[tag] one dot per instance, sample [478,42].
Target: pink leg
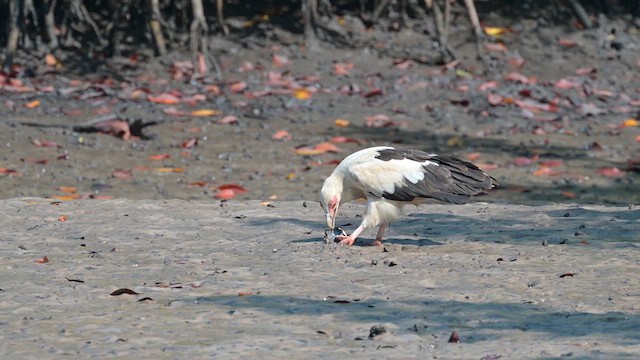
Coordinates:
[381,231]
[349,240]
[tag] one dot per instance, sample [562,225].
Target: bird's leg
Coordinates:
[381,231]
[349,240]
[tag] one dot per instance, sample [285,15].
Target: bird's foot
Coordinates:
[346,240]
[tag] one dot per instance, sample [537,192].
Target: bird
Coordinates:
[389,178]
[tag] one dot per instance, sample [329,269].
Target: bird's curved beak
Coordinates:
[331,221]
[332,212]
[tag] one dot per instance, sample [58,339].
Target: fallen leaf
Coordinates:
[517,77]
[494,99]
[611,172]
[378,121]
[280,60]
[547,171]
[569,274]
[630,123]
[569,194]
[238,87]
[342,68]
[228,120]
[51,60]
[586,71]
[123,291]
[32,104]
[522,161]
[306,150]
[225,194]
[567,42]
[4,170]
[488,85]
[494,31]
[164,98]
[473,156]
[245,293]
[189,143]
[62,218]
[42,260]
[205,112]
[45,143]
[229,191]
[68,189]
[282,135]
[496,47]
[302,94]
[174,111]
[168,169]
[342,123]
[122,174]
[67,197]
[159,157]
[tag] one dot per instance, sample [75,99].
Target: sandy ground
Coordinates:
[241,280]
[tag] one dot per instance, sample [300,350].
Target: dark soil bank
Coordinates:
[551,113]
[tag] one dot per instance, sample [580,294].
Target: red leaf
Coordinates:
[280,60]
[227,120]
[586,71]
[494,99]
[522,161]
[517,77]
[372,92]
[233,187]
[189,143]
[45,143]
[611,172]
[164,98]
[42,260]
[174,112]
[342,68]
[122,174]
[496,47]
[380,120]
[238,87]
[488,85]
[567,84]
[567,42]
[282,135]
[159,157]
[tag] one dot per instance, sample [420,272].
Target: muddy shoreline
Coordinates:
[245,280]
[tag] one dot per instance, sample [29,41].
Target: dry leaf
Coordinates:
[159,157]
[302,94]
[168,170]
[42,260]
[122,174]
[205,112]
[62,218]
[341,123]
[611,172]
[32,104]
[282,135]
[68,189]
[164,98]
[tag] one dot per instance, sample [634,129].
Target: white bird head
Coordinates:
[330,199]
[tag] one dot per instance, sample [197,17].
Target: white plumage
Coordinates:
[389,178]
